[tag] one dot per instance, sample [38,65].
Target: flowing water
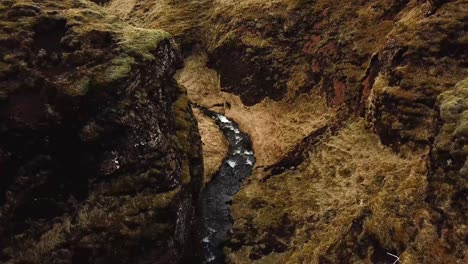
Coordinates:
[216,221]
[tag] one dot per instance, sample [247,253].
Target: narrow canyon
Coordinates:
[233,131]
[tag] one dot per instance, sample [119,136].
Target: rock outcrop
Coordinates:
[100,156]
[370,88]
[388,61]
[357,114]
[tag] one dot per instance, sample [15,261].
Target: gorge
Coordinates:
[233,131]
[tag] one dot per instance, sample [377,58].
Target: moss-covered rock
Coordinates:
[423,57]
[449,177]
[100,157]
[344,197]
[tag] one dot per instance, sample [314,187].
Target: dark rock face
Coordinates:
[251,75]
[302,47]
[100,157]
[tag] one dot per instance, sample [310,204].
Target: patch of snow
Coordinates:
[206,239]
[249,162]
[232,163]
[248,152]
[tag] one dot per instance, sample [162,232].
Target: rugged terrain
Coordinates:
[357,114]
[100,155]
[353,110]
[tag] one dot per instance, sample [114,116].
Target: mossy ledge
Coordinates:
[96,164]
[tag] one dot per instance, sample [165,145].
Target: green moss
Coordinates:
[120,68]
[454,114]
[186,178]
[151,202]
[25,4]
[142,41]
[185,132]
[183,121]
[82,87]
[453,101]
[133,183]
[462,125]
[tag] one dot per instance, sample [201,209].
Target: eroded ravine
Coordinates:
[216,221]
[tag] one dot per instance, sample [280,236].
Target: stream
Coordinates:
[216,220]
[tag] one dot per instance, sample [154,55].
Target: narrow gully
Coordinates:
[216,220]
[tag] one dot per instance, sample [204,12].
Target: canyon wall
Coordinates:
[356,111]
[100,155]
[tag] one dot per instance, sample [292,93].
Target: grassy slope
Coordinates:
[215,146]
[352,199]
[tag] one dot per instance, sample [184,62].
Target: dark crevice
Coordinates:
[49,33]
[252,76]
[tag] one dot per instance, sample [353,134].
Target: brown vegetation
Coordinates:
[274,127]
[286,69]
[351,199]
[392,182]
[215,146]
[100,155]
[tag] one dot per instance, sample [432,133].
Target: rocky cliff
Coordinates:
[353,191]
[356,111]
[100,156]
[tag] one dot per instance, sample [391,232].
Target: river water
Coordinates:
[216,220]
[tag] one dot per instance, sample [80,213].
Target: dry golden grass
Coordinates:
[351,189]
[310,211]
[175,17]
[215,146]
[274,127]
[189,18]
[122,8]
[203,84]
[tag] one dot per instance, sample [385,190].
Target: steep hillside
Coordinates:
[356,111]
[100,156]
[356,124]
